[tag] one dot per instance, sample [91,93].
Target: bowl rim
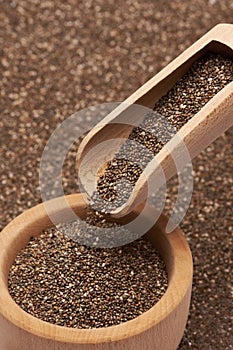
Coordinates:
[18,232]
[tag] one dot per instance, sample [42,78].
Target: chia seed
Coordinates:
[64,283]
[68,284]
[206,77]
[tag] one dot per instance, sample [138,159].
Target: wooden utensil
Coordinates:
[159,328]
[209,123]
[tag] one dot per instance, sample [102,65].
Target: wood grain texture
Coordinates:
[159,328]
[212,120]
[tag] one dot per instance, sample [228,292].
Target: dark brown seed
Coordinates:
[64,283]
[101,287]
[207,76]
[134,46]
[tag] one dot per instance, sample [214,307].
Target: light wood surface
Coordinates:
[212,120]
[160,328]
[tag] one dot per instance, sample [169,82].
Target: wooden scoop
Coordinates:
[202,129]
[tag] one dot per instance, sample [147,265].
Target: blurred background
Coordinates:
[57,57]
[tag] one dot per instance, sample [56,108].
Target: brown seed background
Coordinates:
[59,57]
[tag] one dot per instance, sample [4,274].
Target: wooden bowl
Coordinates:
[160,328]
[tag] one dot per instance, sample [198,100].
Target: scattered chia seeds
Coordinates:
[64,283]
[45,72]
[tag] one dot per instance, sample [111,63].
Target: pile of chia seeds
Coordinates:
[59,281]
[206,77]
